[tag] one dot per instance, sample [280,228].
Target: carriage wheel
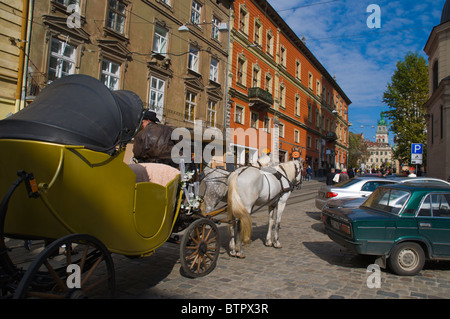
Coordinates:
[199,249]
[76,266]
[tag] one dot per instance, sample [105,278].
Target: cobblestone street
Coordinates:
[309,265]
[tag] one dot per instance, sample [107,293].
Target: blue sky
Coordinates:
[362,59]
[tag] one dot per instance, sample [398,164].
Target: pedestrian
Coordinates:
[351,173]
[343,176]
[330,177]
[304,174]
[309,172]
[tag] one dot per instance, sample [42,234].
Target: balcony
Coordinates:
[331,136]
[259,98]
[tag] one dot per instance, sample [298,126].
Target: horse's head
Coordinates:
[298,168]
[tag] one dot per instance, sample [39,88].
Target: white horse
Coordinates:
[214,184]
[249,186]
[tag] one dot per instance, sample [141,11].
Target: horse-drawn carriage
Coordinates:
[65,185]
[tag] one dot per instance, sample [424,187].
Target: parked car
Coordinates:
[355,187]
[354,192]
[403,224]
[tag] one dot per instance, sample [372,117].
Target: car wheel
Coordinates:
[407,259]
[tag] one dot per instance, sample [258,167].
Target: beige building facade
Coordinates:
[172,53]
[438,106]
[13,42]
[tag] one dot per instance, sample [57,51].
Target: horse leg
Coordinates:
[272,210]
[238,240]
[280,208]
[232,228]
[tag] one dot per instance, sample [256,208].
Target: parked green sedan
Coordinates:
[403,224]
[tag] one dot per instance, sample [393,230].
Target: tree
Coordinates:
[405,96]
[357,150]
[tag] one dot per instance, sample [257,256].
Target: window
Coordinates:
[258,29]
[67,3]
[310,81]
[255,79]
[386,199]
[308,141]
[160,40]
[212,113]
[317,143]
[156,96]
[254,120]
[110,74]
[191,103]
[239,115]
[269,43]
[318,89]
[317,118]
[243,20]
[283,56]
[297,105]
[214,70]
[242,64]
[215,28]
[193,59]
[268,83]
[297,136]
[282,96]
[281,129]
[435,75]
[298,70]
[62,59]
[309,112]
[116,16]
[196,12]
[266,125]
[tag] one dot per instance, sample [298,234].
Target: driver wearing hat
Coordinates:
[149,116]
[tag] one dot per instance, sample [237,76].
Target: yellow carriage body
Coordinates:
[84,191]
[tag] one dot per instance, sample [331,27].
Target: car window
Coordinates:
[440,206]
[387,200]
[435,205]
[425,208]
[371,186]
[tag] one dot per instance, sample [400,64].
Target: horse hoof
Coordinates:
[277,245]
[240,255]
[268,244]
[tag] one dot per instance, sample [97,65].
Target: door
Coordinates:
[433,221]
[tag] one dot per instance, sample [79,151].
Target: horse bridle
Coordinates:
[297,173]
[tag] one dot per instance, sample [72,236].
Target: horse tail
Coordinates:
[237,210]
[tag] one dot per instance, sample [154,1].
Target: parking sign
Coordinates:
[416,153]
[416,148]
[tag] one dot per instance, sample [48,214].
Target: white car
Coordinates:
[353,193]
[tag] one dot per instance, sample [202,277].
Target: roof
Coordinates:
[419,186]
[445,17]
[77,110]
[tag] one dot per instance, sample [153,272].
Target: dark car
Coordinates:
[402,224]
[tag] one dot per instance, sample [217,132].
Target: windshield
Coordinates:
[387,200]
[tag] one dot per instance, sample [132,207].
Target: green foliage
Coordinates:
[406,95]
[357,150]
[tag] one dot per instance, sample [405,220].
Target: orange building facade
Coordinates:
[280,98]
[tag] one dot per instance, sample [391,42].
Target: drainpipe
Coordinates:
[23,34]
[228,68]
[27,54]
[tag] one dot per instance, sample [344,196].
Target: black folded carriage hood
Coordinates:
[77,110]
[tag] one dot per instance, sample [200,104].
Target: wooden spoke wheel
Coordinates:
[76,266]
[199,249]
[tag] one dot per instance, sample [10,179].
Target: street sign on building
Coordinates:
[416,153]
